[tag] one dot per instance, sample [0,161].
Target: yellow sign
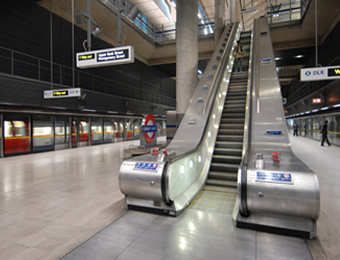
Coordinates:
[86,57]
[60,93]
[334,72]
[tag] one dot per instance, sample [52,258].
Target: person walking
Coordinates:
[296,127]
[324,132]
[238,54]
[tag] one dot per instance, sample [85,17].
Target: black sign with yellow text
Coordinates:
[334,72]
[60,93]
[105,57]
[89,56]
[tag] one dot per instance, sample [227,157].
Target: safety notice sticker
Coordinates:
[275,177]
[146,166]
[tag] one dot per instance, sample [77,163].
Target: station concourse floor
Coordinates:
[67,205]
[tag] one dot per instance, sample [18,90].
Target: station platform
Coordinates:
[67,205]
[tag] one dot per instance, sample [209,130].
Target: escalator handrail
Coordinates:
[213,90]
[247,136]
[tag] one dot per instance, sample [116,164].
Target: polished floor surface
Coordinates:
[52,202]
[61,205]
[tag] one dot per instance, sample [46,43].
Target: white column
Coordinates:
[219,18]
[186,53]
[232,11]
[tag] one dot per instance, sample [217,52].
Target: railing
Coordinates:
[279,11]
[165,32]
[242,173]
[168,32]
[22,65]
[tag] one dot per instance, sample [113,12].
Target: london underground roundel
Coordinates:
[150,128]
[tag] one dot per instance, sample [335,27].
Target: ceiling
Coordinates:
[289,41]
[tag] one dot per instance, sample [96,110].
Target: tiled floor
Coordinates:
[211,235]
[51,203]
[325,162]
[194,235]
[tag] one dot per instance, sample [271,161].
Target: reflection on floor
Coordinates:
[51,203]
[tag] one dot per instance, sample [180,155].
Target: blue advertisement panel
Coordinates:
[146,166]
[275,177]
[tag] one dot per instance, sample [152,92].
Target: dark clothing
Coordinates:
[324,132]
[296,127]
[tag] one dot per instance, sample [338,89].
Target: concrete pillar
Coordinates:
[219,19]
[2,127]
[187,52]
[232,11]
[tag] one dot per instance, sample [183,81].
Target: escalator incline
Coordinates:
[220,191]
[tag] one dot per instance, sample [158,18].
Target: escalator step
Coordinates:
[231,126]
[227,145]
[222,183]
[240,105]
[235,110]
[220,189]
[225,167]
[232,115]
[229,151]
[226,159]
[228,98]
[231,176]
[229,106]
[230,138]
[232,120]
[237,88]
[237,93]
[230,131]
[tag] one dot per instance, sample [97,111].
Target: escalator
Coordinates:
[220,191]
[210,165]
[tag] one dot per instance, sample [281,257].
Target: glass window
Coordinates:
[8,129]
[16,133]
[108,130]
[43,138]
[97,130]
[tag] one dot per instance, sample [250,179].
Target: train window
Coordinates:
[59,130]
[19,128]
[108,128]
[8,129]
[84,129]
[337,119]
[47,130]
[96,126]
[331,126]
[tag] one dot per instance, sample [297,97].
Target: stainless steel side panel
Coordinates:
[191,149]
[293,205]
[141,183]
[297,199]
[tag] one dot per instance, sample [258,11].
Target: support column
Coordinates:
[2,136]
[219,19]
[232,11]
[187,53]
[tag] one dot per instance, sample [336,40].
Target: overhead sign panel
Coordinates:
[105,57]
[321,73]
[62,93]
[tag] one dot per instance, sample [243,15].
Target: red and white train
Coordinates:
[25,133]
